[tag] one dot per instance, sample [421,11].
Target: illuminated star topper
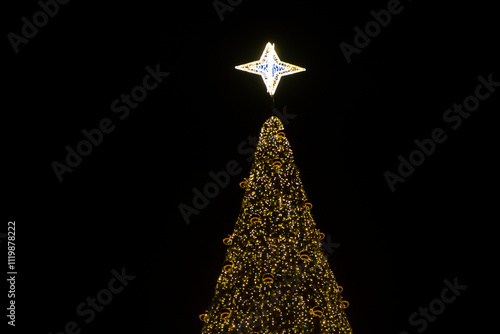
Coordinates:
[270,68]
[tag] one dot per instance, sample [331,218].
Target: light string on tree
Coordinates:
[276,276]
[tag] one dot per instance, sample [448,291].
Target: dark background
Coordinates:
[119,207]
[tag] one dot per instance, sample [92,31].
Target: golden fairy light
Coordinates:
[275,277]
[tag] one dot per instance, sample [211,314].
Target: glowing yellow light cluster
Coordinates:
[275,277]
[270,68]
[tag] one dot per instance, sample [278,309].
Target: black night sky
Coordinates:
[349,123]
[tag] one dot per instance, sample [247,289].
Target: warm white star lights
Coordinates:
[270,68]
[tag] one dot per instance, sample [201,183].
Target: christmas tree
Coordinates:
[275,277]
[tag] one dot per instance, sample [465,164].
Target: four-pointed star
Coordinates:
[270,68]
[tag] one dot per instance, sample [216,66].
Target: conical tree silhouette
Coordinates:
[275,278]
